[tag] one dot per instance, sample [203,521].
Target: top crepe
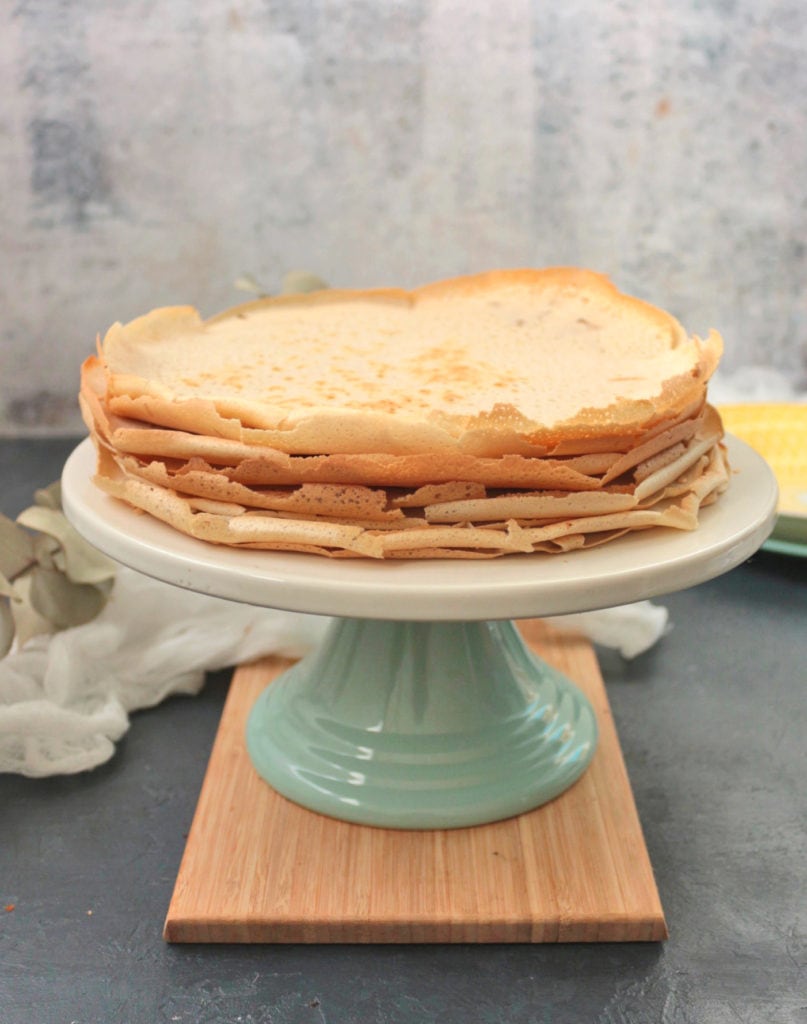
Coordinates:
[509,362]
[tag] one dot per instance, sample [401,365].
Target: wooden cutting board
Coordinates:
[258,868]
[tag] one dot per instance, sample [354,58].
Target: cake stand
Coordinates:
[423,711]
[423,707]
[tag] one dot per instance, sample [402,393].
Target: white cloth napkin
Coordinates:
[65,699]
[630,629]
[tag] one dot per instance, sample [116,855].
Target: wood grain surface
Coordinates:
[258,868]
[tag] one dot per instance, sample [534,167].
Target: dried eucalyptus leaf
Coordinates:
[105,588]
[299,282]
[62,602]
[16,548]
[247,283]
[82,562]
[47,550]
[27,620]
[7,629]
[50,496]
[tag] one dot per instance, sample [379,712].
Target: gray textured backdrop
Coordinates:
[150,152]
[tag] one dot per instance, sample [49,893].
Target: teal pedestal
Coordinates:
[421,725]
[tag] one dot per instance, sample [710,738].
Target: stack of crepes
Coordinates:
[508,412]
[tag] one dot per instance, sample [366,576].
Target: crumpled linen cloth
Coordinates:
[65,699]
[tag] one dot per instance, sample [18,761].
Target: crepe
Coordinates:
[523,412]
[509,362]
[485,536]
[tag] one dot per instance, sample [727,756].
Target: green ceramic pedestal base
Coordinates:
[421,725]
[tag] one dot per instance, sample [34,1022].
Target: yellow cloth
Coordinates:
[778,431]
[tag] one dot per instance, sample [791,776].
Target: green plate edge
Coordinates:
[789,536]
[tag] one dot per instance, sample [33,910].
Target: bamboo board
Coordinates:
[258,868]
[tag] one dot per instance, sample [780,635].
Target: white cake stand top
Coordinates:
[635,567]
